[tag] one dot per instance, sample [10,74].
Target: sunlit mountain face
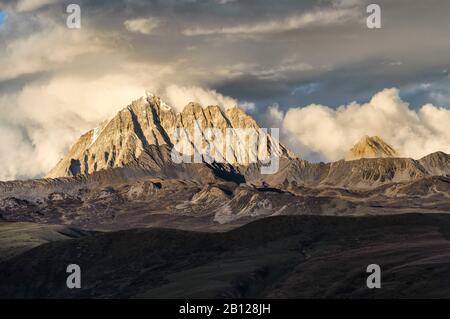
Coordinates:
[224,149]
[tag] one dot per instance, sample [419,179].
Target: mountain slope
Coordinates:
[280,257]
[437,163]
[16,238]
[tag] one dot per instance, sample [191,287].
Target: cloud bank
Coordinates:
[320,132]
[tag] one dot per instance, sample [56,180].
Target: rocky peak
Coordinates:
[150,121]
[437,163]
[239,118]
[371,147]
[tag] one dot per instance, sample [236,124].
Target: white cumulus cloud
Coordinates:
[320,131]
[179,96]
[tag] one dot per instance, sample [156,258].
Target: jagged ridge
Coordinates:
[149,121]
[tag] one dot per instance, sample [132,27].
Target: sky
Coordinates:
[2,18]
[312,68]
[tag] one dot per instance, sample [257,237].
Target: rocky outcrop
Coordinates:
[436,163]
[371,147]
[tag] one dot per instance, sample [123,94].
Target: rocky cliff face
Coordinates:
[371,147]
[149,121]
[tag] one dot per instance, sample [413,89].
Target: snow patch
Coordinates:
[165,106]
[97,131]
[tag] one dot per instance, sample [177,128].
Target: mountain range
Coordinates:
[122,175]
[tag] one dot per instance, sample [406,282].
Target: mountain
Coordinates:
[122,175]
[141,137]
[201,197]
[437,163]
[371,147]
[149,121]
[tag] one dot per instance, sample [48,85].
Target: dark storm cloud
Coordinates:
[248,38]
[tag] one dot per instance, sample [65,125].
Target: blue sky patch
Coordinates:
[2,18]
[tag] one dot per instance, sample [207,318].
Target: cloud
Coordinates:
[30,5]
[275,115]
[142,25]
[316,18]
[330,133]
[247,106]
[36,52]
[225,1]
[273,73]
[179,96]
